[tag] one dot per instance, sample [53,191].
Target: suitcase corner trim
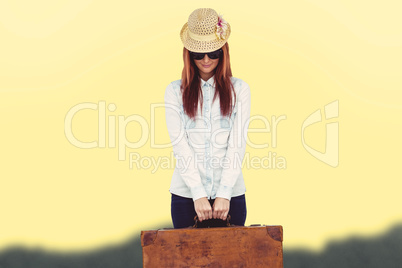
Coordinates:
[148,237]
[275,232]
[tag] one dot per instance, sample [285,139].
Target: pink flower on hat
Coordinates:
[221,28]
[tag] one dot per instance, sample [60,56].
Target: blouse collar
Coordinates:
[209,82]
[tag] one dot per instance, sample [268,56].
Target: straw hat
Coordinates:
[205,31]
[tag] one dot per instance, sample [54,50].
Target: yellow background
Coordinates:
[297,56]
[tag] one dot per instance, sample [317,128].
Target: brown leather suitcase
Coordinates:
[234,246]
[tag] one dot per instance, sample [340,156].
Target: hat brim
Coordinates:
[202,46]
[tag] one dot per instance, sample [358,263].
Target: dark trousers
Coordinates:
[183,212]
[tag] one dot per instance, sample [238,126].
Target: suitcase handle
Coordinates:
[197,222]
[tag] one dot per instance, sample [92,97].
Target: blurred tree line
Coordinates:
[370,252]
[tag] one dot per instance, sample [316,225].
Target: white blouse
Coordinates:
[209,150]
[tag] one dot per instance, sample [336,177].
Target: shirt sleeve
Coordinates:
[237,144]
[184,154]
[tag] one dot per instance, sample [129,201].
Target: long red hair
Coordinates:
[191,84]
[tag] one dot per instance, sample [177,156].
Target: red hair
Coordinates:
[191,84]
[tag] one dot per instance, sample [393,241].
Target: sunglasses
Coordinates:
[212,55]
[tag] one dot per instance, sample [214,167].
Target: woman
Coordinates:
[207,114]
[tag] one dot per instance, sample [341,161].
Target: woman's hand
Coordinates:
[221,208]
[203,209]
